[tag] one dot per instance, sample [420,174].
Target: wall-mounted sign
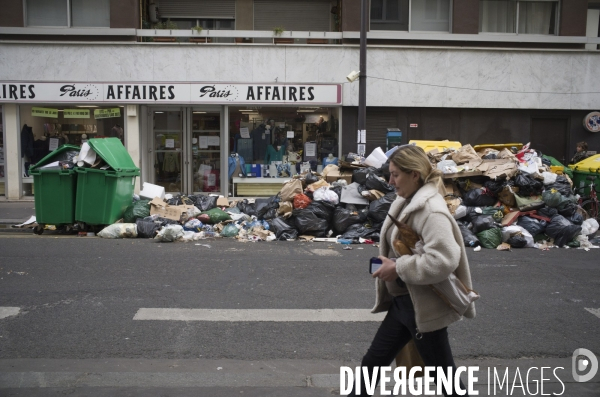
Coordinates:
[591,122]
[176,93]
[44,112]
[76,113]
[414,125]
[107,113]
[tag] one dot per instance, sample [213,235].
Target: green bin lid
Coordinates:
[49,158]
[112,151]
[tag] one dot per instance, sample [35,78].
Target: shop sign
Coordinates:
[414,125]
[44,112]
[591,122]
[176,93]
[107,113]
[76,113]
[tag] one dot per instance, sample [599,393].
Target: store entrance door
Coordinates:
[186,149]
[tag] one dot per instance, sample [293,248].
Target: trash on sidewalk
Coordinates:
[29,223]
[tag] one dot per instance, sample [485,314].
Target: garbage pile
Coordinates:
[501,199]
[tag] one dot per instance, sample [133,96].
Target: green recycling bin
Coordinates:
[55,189]
[104,193]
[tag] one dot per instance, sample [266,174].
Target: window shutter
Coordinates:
[306,15]
[377,124]
[197,9]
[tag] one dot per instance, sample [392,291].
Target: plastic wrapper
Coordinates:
[469,238]
[589,226]
[532,225]
[301,201]
[137,210]
[216,215]
[170,233]
[283,230]
[483,222]
[562,230]
[478,198]
[326,194]
[344,218]
[375,182]
[147,228]
[549,178]
[203,202]
[490,238]
[193,225]
[460,212]
[307,222]
[311,178]
[119,230]
[378,209]
[230,230]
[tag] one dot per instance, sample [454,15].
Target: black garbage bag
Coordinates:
[532,225]
[547,162]
[483,223]
[548,212]
[494,186]
[562,230]
[344,218]
[164,221]
[562,185]
[307,222]
[471,214]
[517,241]
[282,229]
[247,208]
[356,231]
[139,209]
[147,228]
[490,156]
[576,219]
[377,183]
[265,205]
[203,202]
[567,208]
[528,186]
[384,170]
[478,198]
[469,238]
[359,175]
[322,209]
[177,200]
[337,190]
[311,178]
[379,208]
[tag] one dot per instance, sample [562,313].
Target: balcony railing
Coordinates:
[262,36]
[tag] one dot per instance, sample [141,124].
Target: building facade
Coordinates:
[185,83]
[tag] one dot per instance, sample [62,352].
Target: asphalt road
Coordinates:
[78,297]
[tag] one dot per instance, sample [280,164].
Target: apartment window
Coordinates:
[521,17]
[68,13]
[425,15]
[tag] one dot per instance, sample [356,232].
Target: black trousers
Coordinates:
[396,330]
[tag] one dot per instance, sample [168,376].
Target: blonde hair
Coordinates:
[410,158]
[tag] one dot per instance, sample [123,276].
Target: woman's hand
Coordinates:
[387,271]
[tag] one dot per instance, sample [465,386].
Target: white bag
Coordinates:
[119,230]
[326,194]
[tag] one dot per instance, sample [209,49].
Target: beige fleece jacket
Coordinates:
[428,215]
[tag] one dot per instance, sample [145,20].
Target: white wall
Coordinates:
[421,77]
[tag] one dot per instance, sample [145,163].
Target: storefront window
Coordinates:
[206,151]
[46,127]
[168,140]
[273,142]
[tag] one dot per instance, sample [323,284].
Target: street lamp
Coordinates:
[362,82]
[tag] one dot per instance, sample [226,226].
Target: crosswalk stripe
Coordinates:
[277,315]
[7,311]
[595,312]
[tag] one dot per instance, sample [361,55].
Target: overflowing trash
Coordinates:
[503,197]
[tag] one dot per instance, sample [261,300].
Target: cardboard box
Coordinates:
[174,212]
[335,175]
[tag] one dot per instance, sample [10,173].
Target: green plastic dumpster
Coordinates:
[583,169]
[55,190]
[104,194]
